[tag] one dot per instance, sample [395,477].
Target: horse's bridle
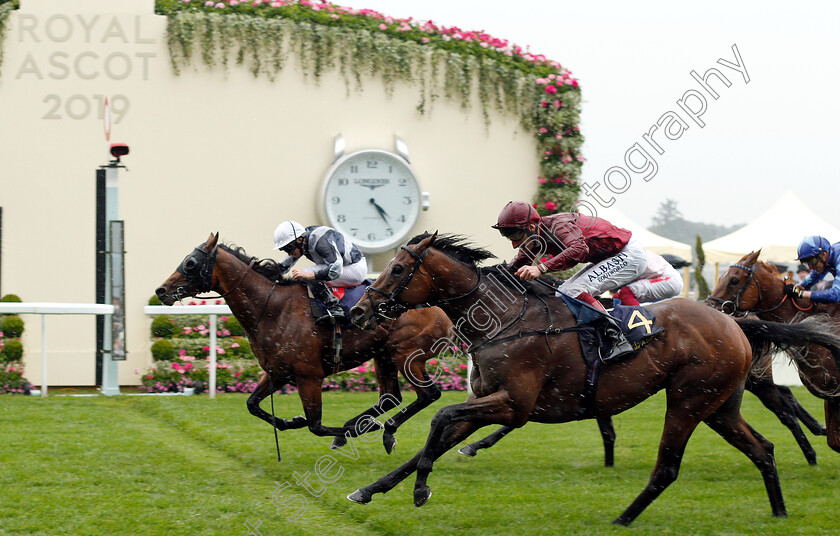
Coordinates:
[197,268]
[393,306]
[736,311]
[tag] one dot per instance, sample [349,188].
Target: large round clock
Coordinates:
[373,196]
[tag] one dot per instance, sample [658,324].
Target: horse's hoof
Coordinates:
[621,521]
[820,431]
[389,441]
[359,496]
[299,421]
[468,450]
[422,495]
[338,442]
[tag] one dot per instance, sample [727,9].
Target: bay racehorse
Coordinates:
[752,286]
[528,364]
[292,349]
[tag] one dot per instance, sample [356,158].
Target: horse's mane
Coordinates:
[457,247]
[267,268]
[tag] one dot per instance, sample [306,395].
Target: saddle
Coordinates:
[347,296]
[636,322]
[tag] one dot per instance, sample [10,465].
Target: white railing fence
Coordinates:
[214,311]
[43,309]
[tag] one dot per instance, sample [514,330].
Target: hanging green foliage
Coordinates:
[359,44]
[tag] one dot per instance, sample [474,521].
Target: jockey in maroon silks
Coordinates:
[614,258]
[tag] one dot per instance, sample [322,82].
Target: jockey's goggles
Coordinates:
[811,261]
[514,234]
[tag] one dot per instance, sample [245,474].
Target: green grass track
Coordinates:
[190,465]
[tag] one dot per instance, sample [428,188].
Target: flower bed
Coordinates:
[11,351]
[181,351]
[12,380]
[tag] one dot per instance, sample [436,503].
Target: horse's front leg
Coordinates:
[497,408]
[260,393]
[389,398]
[453,435]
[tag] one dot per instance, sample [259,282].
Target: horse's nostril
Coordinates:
[160,292]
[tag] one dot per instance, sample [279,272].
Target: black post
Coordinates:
[1,251]
[101,248]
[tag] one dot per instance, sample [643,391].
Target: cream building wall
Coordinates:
[210,151]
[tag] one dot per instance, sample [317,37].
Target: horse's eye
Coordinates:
[397,269]
[189,264]
[733,281]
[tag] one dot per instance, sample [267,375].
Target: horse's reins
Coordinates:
[392,305]
[736,302]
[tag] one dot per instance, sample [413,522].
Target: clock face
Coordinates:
[373,197]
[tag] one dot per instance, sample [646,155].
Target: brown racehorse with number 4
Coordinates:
[752,286]
[292,349]
[532,368]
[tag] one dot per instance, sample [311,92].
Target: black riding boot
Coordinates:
[334,311]
[620,347]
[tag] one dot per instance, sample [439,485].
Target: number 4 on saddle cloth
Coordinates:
[636,322]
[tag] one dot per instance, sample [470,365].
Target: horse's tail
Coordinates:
[765,336]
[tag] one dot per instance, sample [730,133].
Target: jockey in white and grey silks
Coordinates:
[337,260]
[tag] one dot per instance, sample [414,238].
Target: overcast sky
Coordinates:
[633,61]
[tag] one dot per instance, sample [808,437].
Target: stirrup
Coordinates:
[331,317]
[619,350]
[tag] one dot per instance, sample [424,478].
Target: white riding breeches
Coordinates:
[659,281]
[351,275]
[610,273]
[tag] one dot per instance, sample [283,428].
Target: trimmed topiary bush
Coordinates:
[163,326]
[155,301]
[233,326]
[11,326]
[11,298]
[163,350]
[11,352]
[240,348]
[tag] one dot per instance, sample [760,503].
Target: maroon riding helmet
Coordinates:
[514,219]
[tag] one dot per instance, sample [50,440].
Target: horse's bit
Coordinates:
[736,311]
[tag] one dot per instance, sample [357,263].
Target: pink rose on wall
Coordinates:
[550,205]
[550,89]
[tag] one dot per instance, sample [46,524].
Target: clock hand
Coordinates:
[380,210]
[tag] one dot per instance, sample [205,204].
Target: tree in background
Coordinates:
[670,223]
[702,286]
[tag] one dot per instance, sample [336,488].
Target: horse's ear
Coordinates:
[426,243]
[753,256]
[212,240]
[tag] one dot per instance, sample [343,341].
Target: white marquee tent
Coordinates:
[777,232]
[653,242]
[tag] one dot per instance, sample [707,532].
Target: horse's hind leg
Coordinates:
[605,425]
[487,442]
[773,399]
[728,422]
[679,425]
[832,423]
[811,423]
